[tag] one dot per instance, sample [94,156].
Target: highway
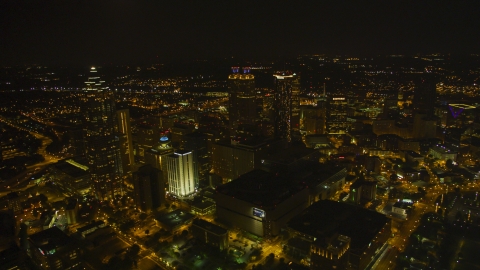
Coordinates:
[17,183]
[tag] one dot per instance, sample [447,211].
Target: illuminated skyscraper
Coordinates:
[242,102]
[126,144]
[147,136]
[101,140]
[286,105]
[180,173]
[337,114]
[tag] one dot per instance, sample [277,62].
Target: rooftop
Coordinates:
[262,188]
[360,183]
[209,226]
[326,218]
[175,218]
[49,240]
[290,154]
[442,149]
[90,226]
[202,204]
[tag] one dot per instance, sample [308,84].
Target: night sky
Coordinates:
[83,32]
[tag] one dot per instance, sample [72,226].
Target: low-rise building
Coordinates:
[72,175]
[210,233]
[203,207]
[260,202]
[362,192]
[402,208]
[53,249]
[340,234]
[408,174]
[175,219]
[442,153]
[412,156]
[90,228]
[14,202]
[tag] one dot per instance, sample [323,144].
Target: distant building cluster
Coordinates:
[299,157]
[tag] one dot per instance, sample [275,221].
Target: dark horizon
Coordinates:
[82,33]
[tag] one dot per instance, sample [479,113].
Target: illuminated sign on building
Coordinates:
[258,212]
[338,98]
[164,138]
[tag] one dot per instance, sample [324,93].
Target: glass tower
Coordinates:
[101,140]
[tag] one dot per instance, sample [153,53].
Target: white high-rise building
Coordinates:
[180,173]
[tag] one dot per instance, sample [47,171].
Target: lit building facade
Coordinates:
[337,114]
[153,156]
[286,105]
[126,144]
[242,103]
[101,140]
[147,137]
[312,118]
[180,173]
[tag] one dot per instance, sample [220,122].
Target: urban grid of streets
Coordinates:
[402,228]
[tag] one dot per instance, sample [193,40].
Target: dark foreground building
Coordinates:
[260,202]
[53,249]
[341,236]
[210,233]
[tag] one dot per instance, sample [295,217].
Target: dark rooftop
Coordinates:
[49,239]
[414,154]
[325,218]
[175,218]
[91,225]
[360,183]
[203,204]
[209,226]
[262,188]
[290,154]
[71,204]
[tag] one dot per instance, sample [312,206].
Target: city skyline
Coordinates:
[262,135]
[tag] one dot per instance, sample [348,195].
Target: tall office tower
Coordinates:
[163,147]
[76,141]
[337,114]
[126,144]
[147,136]
[180,173]
[286,105]
[198,143]
[148,188]
[425,96]
[295,121]
[312,118]
[242,102]
[101,141]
